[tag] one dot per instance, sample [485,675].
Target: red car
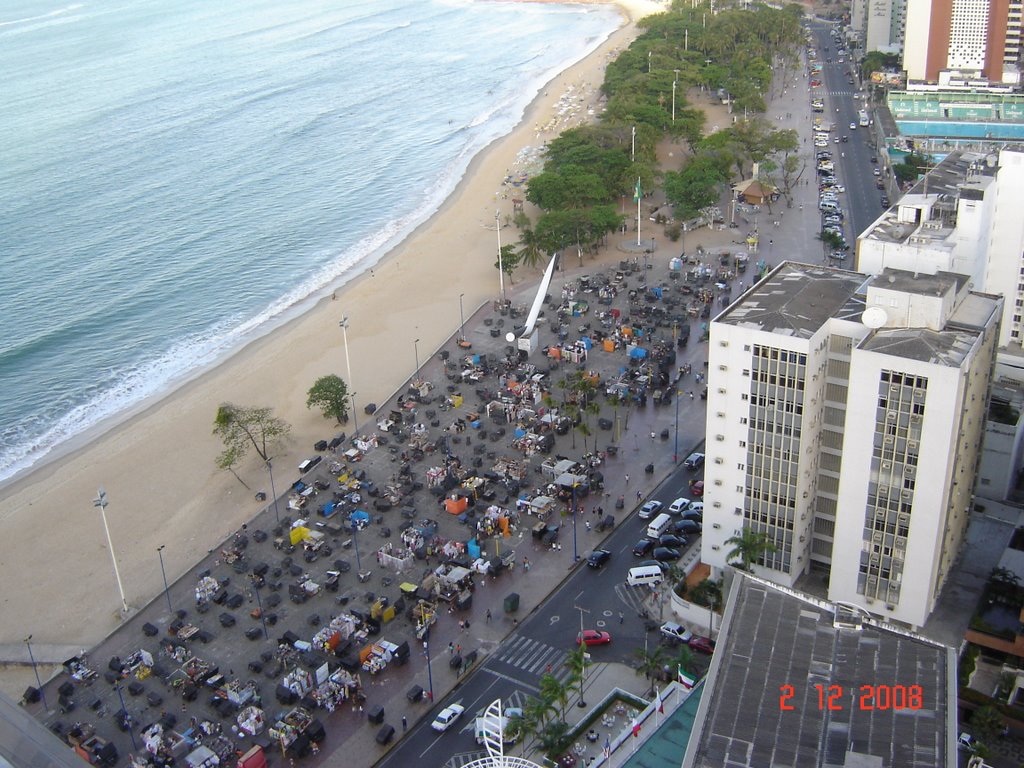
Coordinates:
[593,637]
[697,487]
[702,644]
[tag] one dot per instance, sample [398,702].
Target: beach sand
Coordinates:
[158,466]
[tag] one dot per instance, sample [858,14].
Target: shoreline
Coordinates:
[156,462]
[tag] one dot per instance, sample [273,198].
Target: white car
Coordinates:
[447,716]
[696,506]
[675,631]
[677,506]
[853,126]
[650,509]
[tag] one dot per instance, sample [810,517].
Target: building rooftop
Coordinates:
[948,348]
[797,299]
[960,174]
[937,284]
[776,642]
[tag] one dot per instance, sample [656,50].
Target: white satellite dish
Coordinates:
[874,317]
[510,337]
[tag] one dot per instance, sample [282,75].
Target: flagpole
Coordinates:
[638,211]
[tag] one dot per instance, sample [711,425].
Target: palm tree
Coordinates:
[651,661]
[749,546]
[555,691]
[577,664]
[529,248]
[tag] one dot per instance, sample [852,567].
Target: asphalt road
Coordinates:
[513,670]
[861,202]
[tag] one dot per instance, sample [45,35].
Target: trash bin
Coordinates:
[375,714]
[511,602]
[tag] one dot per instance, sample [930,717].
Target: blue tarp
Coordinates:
[520,433]
[329,509]
[588,344]
[657,291]
[638,353]
[473,548]
[358,517]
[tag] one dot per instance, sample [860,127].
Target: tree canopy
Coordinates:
[241,428]
[330,394]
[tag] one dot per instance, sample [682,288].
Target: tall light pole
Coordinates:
[462,320]
[259,604]
[416,351]
[101,502]
[273,491]
[674,84]
[632,146]
[430,675]
[649,62]
[131,725]
[575,554]
[675,448]
[348,368]
[167,592]
[501,266]
[35,670]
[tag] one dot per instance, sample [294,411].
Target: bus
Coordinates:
[863,117]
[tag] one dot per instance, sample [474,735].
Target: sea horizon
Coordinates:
[160,223]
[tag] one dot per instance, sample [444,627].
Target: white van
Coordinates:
[644,574]
[658,525]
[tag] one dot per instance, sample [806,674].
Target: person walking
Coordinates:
[621,617]
[488,616]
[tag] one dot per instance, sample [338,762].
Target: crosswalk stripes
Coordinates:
[534,657]
[633,597]
[464,758]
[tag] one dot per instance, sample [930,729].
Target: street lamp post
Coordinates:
[101,502]
[675,448]
[632,146]
[348,369]
[263,618]
[128,717]
[583,668]
[355,543]
[167,592]
[501,267]
[273,491]
[674,84]
[35,670]
[416,351]
[575,554]
[462,320]
[430,675]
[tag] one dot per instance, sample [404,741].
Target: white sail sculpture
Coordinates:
[526,337]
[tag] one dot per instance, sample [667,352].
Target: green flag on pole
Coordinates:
[636,192]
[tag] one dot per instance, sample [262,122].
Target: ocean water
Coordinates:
[178,177]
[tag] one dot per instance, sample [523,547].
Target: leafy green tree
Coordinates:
[650,661]
[509,260]
[241,428]
[831,241]
[330,394]
[987,723]
[707,593]
[529,252]
[554,690]
[749,547]
[228,459]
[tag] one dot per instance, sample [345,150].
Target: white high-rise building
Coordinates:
[885,25]
[964,217]
[844,418]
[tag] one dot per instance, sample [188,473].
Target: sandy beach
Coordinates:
[158,467]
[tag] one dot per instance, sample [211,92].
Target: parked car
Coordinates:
[677,506]
[666,554]
[593,637]
[693,514]
[647,563]
[685,527]
[696,506]
[694,461]
[674,631]
[672,541]
[447,716]
[650,509]
[697,487]
[598,558]
[643,547]
[702,644]
[885,201]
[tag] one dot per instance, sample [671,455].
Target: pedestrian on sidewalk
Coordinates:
[451,648]
[405,724]
[639,494]
[627,479]
[488,616]
[621,617]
